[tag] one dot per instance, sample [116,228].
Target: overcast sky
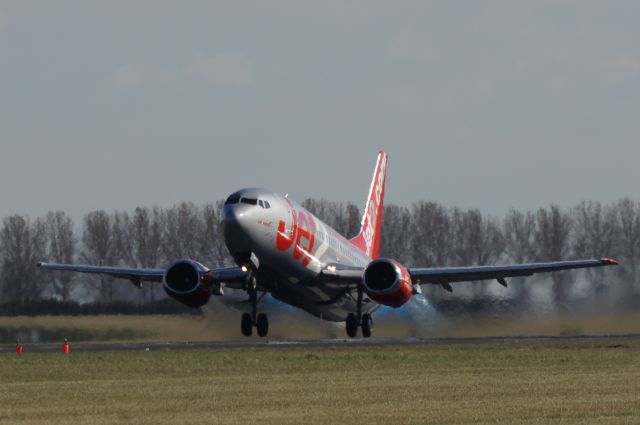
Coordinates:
[487,104]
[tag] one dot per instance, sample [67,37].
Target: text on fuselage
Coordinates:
[301,235]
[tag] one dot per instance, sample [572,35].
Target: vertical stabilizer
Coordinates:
[368,240]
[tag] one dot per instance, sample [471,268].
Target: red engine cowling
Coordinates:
[185,281]
[387,282]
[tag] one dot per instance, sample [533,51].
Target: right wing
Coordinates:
[137,275]
[232,277]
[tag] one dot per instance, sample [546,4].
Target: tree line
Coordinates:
[422,234]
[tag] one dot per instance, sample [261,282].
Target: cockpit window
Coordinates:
[250,201]
[233,199]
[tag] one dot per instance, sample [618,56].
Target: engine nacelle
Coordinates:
[185,281]
[387,282]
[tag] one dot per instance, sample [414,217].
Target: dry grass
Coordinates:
[523,383]
[145,328]
[220,325]
[541,324]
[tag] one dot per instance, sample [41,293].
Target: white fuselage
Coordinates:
[292,247]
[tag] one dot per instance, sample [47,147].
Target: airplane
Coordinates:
[282,249]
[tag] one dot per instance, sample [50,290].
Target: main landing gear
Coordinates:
[358,319]
[248,321]
[365,322]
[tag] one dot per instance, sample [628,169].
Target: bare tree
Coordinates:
[430,237]
[122,232]
[183,226]
[430,240]
[396,225]
[353,219]
[519,231]
[99,249]
[427,234]
[595,233]
[146,239]
[23,245]
[344,218]
[553,227]
[477,240]
[62,249]
[628,215]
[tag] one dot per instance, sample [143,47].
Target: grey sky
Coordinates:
[487,104]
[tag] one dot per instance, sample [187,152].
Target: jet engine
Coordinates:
[387,282]
[186,281]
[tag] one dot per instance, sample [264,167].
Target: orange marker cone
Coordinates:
[65,346]
[18,347]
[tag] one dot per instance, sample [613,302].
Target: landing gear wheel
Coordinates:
[352,325]
[367,325]
[262,324]
[246,324]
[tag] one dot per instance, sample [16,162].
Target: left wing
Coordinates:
[446,275]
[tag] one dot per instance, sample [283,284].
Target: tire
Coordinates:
[246,324]
[352,325]
[367,325]
[262,325]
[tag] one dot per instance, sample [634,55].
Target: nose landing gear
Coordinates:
[262,325]
[248,321]
[246,324]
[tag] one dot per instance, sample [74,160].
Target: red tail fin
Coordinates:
[368,240]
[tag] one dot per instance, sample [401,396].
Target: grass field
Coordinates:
[515,383]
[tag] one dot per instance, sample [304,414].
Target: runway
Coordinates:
[257,344]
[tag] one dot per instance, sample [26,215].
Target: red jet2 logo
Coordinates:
[302,233]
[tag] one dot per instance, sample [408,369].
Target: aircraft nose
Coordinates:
[236,221]
[233,216]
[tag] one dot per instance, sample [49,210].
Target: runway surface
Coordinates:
[265,343]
